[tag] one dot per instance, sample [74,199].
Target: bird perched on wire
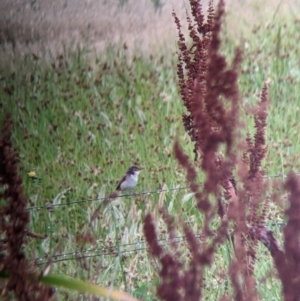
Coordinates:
[130,179]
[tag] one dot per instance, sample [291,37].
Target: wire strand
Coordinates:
[75,255]
[51,207]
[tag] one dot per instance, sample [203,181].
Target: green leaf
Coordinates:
[81,286]
[85,287]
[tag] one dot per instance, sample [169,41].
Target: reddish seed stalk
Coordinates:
[23,280]
[210,94]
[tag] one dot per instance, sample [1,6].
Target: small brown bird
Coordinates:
[130,179]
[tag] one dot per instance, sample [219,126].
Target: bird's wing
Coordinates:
[119,185]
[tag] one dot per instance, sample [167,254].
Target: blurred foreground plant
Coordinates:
[19,278]
[209,90]
[23,280]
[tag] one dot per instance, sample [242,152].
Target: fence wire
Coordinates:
[116,250]
[124,248]
[112,250]
[51,206]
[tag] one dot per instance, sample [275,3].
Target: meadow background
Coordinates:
[92,88]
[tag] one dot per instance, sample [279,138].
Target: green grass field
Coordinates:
[82,118]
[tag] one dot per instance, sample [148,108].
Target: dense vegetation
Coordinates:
[81,119]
